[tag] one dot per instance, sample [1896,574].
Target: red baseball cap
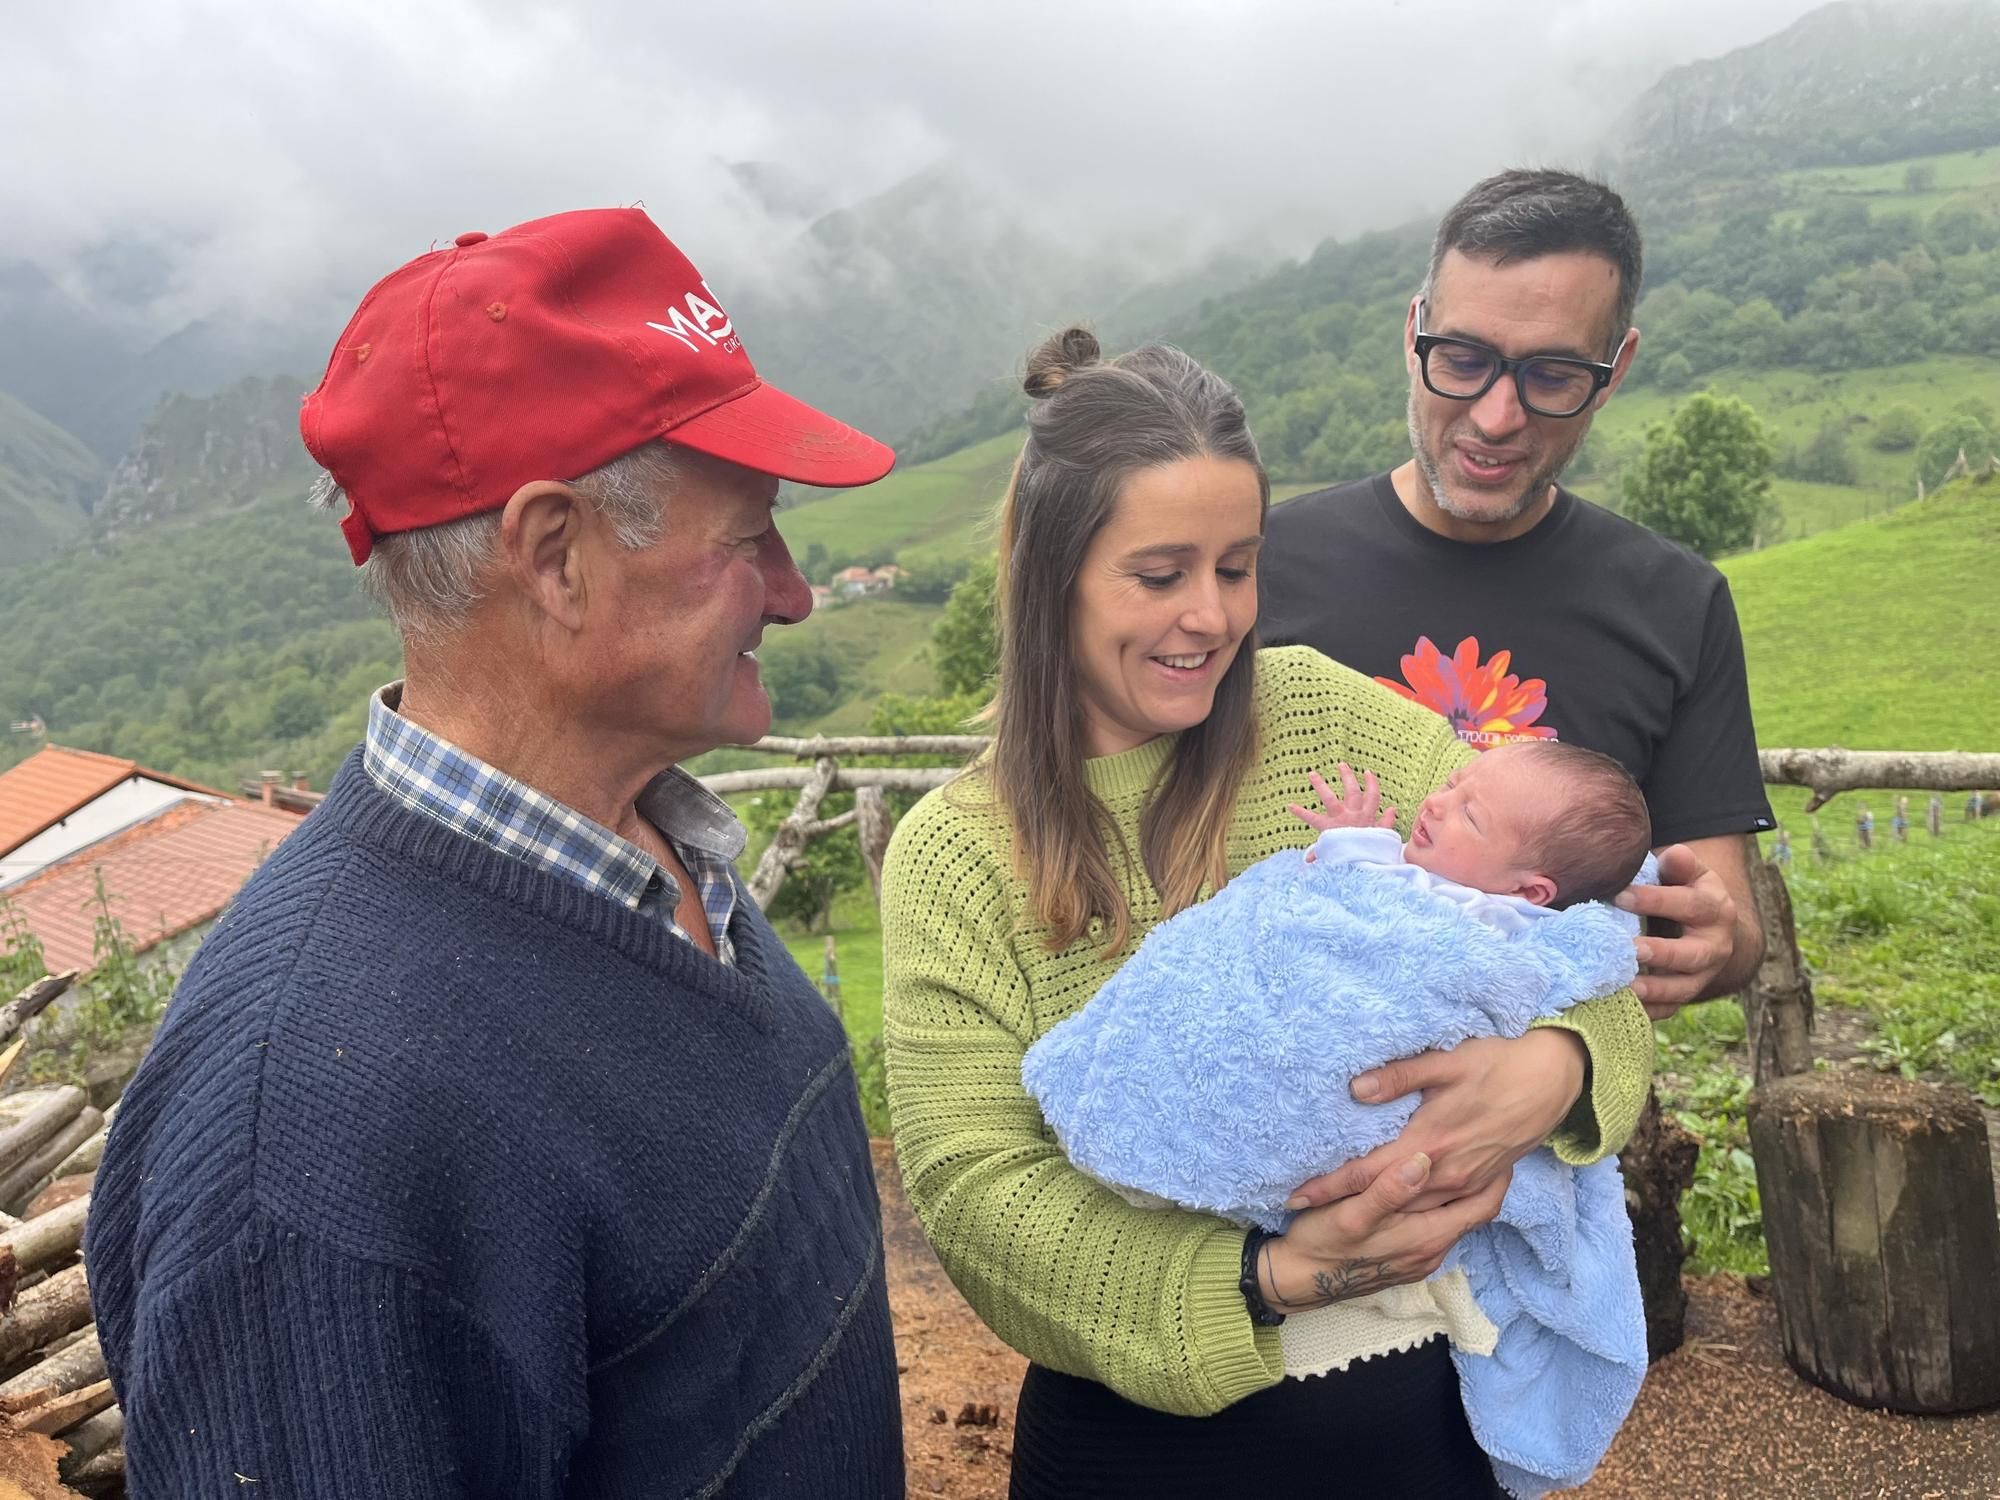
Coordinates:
[540,353]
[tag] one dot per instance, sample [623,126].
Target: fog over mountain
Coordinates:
[169,162]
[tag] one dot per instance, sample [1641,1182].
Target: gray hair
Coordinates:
[431,578]
[1523,215]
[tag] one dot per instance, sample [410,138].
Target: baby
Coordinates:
[1537,822]
[1212,1071]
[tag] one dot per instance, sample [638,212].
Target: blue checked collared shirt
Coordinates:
[442,781]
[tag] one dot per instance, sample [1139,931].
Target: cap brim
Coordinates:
[766,430]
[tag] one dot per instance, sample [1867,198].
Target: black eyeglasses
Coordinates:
[1549,385]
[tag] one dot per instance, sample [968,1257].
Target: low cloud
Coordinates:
[273,160]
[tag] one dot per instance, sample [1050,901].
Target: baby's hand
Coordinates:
[1360,806]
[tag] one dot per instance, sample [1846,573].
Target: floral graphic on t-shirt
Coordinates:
[1486,704]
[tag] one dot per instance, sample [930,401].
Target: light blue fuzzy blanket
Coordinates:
[1212,1069]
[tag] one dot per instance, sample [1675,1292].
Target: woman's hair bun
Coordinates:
[1060,356]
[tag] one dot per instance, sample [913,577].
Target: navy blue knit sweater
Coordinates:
[447,1177]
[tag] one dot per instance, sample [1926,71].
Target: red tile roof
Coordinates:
[176,870]
[55,781]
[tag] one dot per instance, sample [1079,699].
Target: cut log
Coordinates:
[35,1123]
[60,1190]
[102,1475]
[81,1364]
[88,1439]
[48,1240]
[28,1467]
[33,1000]
[1658,1164]
[87,1157]
[44,1312]
[64,1412]
[22,1181]
[1885,1245]
[1778,1003]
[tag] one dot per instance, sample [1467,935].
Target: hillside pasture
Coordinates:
[1879,635]
[881,644]
[1971,177]
[1794,404]
[945,506]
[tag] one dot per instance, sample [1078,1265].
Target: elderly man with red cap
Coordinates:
[493,1144]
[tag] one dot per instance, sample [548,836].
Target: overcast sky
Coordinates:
[276,149]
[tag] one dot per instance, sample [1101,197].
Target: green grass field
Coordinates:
[1881,634]
[1958,176]
[944,507]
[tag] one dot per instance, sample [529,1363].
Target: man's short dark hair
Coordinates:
[1522,215]
[1600,835]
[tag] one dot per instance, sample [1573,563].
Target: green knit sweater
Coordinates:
[1142,1300]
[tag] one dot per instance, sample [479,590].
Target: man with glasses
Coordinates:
[1469,580]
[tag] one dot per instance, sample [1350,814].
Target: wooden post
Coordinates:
[830,979]
[873,827]
[1778,1003]
[1885,1246]
[775,863]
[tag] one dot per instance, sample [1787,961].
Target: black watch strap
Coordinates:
[1261,1312]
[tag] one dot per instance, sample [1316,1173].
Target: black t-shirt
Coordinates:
[1588,628]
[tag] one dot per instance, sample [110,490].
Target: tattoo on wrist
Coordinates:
[1347,1278]
[1351,1278]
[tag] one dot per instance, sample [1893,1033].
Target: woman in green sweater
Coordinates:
[1144,752]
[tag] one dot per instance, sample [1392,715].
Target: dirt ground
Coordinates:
[1721,1419]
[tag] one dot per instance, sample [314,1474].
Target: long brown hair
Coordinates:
[1093,425]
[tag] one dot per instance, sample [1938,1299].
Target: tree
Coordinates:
[1943,443]
[802,674]
[813,564]
[1705,477]
[1919,177]
[1825,459]
[965,642]
[1897,429]
[1676,372]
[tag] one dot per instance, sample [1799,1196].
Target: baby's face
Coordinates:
[1475,830]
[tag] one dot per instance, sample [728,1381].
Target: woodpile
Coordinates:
[60,1429]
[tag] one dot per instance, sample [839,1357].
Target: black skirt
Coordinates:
[1392,1427]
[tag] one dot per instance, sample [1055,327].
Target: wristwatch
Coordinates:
[1261,1312]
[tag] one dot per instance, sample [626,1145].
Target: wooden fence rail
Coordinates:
[1832,771]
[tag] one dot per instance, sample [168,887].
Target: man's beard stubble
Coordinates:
[1536,486]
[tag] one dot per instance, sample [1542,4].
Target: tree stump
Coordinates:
[1658,1164]
[1885,1246]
